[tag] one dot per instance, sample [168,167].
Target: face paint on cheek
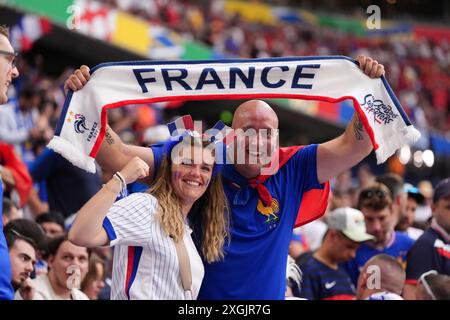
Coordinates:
[176,175]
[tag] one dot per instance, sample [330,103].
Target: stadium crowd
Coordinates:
[371,221]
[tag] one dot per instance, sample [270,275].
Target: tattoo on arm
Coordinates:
[358,128]
[109,139]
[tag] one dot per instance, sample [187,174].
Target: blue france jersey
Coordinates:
[430,252]
[398,249]
[320,282]
[254,266]
[6,290]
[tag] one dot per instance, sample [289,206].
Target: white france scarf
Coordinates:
[81,128]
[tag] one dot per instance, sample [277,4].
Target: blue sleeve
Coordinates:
[304,168]
[6,290]
[420,259]
[158,152]
[44,165]
[107,225]
[352,269]
[310,287]
[1,203]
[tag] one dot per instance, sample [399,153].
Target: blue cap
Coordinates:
[414,193]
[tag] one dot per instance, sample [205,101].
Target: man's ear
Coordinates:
[433,209]
[50,260]
[364,277]
[399,199]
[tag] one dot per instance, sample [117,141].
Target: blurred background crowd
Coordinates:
[42,188]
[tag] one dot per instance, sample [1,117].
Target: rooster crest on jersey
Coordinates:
[270,212]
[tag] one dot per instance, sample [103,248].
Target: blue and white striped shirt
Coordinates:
[145,264]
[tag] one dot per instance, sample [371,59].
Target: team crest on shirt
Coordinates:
[269,212]
[79,122]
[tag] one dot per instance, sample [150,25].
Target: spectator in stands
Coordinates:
[15,174]
[395,184]
[94,281]
[365,176]
[22,237]
[106,255]
[18,122]
[68,187]
[313,233]
[376,205]
[433,286]
[68,265]
[432,250]
[298,245]
[405,224]
[424,212]
[8,71]
[323,276]
[53,224]
[10,211]
[32,230]
[293,279]
[148,225]
[381,278]
[340,199]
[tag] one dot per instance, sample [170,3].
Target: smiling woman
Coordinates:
[147,227]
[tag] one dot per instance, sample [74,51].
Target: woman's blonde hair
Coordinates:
[213,211]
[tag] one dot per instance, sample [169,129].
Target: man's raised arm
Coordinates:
[347,150]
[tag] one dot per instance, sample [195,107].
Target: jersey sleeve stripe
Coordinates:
[134,256]
[109,229]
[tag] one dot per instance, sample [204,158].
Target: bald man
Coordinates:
[382,278]
[264,207]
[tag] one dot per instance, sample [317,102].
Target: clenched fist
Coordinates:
[134,170]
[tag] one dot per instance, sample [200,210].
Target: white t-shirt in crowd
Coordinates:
[145,264]
[384,295]
[414,233]
[313,232]
[423,213]
[44,291]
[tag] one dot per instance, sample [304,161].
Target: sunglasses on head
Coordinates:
[21,236]
[369,194]
[424,282]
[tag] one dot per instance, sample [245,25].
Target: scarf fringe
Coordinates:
[388,147]
[72,154]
